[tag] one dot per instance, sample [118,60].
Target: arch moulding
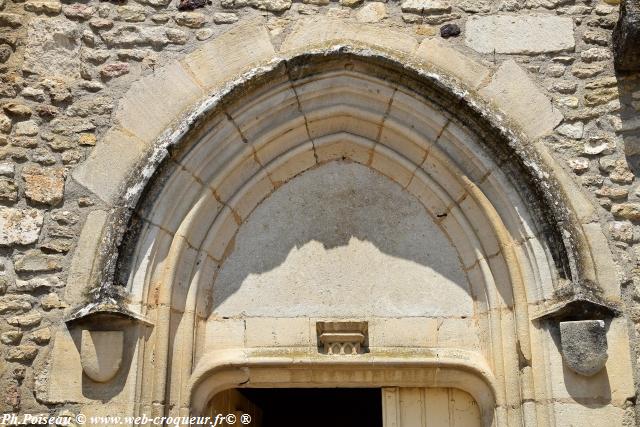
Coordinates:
[155,151]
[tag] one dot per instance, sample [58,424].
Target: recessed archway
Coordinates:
[289,130]
[482,185]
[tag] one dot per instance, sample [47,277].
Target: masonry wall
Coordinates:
[66,65]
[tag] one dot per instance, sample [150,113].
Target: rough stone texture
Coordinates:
[528,35]
[626,37]
[44,185]
[34,261]
[53,48]
[19,226]
[584,345]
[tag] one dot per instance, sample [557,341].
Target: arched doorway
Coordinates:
[474,241]
[343,195]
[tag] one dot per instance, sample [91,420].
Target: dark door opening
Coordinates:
[311,407]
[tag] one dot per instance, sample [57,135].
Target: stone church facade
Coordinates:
[436,200]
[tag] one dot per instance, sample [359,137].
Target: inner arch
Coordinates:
[341,240]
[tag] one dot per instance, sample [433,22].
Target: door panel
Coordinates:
[429,407]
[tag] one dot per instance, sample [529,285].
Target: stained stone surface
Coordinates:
[19,226]
[584,345]
[341,240]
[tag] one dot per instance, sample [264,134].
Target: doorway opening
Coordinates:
[309,407]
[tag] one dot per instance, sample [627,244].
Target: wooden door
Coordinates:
[428,407]
[233,402]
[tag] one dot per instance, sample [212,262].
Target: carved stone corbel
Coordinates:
[103,327]
[583,332]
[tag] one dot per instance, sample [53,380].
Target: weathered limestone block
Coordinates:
[43,6]
[19,226]
[11,337]
[26,320]
[190,19]
[26,128]
[53,47]
[41,282]
[8,190]
[131,13]
[52,301]
[626,37]
[584,345]
[22,353]
[12,20]
[44,185]
[78,11]
[630,211]
[14,304]
[114,69]
[513,91]
[321,31]
[5,124]
[40,336]
[453,62]
[528,35]
[269,5]
[372,12]
[34,261]
[425,6]
[225,18]
[595,54]
[223,58]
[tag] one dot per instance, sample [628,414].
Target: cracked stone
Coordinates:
[39,6]
[579,165]
[14,303]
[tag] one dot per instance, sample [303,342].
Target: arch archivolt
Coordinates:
[437,139]
[260,144]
